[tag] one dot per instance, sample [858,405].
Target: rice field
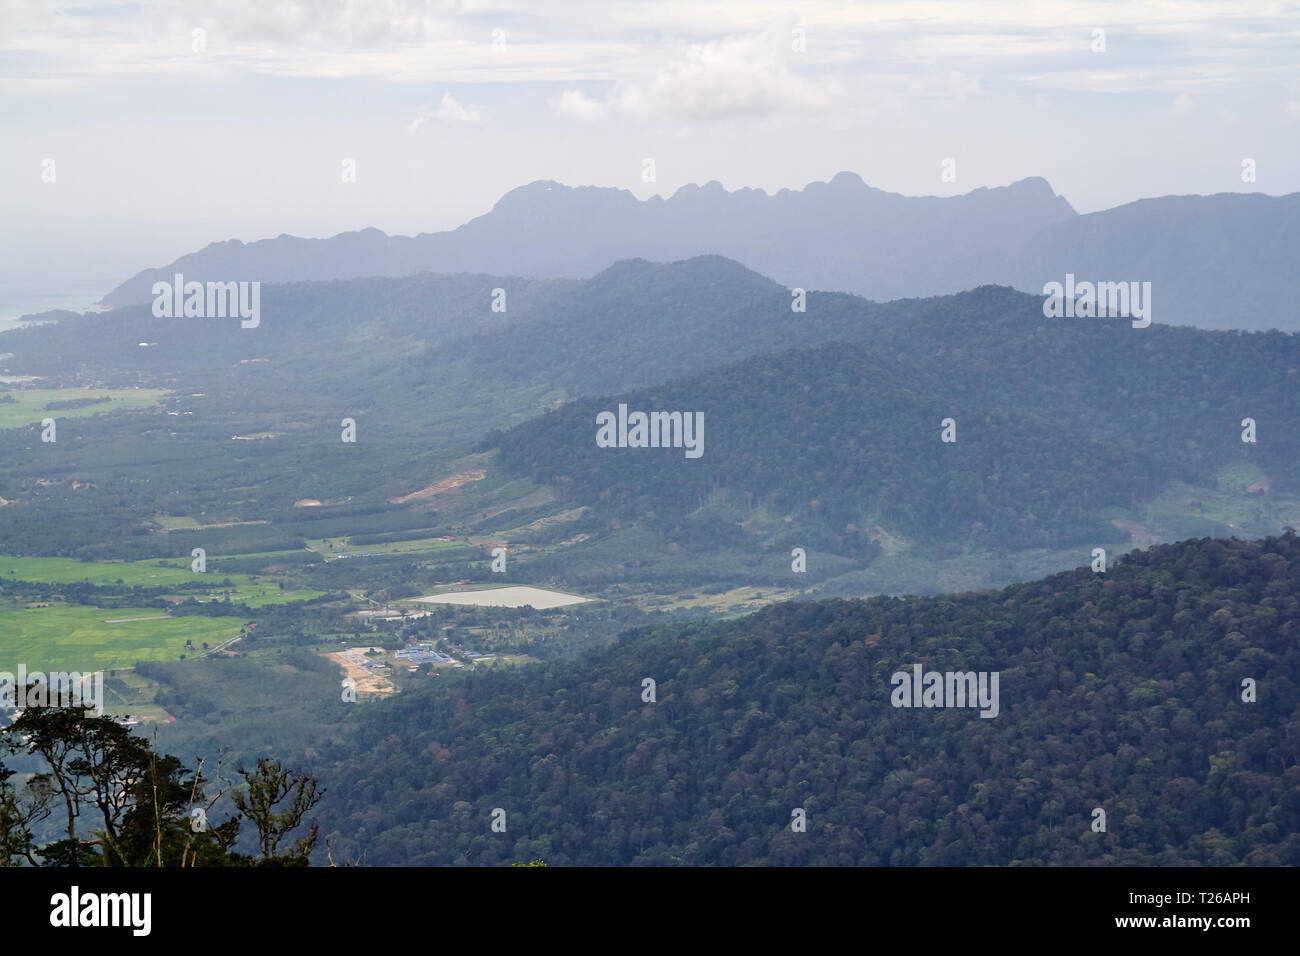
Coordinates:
[28,406]
[74,637]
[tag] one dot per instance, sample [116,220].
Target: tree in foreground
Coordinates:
[124,804]
[271,786]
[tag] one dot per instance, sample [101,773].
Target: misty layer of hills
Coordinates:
[1119,690]
[1220,261]
[822,426]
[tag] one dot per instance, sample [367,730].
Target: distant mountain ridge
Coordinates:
[1220,261]
[546,229]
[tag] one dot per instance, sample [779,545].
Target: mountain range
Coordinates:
[1219,261]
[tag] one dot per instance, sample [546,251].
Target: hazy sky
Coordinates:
[164,139]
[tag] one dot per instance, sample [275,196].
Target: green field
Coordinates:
[76,637]
[254,595]
[70,571]
[415,546]
[151,573]
[1187,511]
[128,693]
[81,638]
[173,522]
[28,407]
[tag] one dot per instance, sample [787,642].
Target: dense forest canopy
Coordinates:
[1120,690]
[1051,427]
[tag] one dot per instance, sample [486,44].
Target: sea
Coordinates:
[17,302]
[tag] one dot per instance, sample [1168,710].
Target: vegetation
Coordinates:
[823,466]
[85,638]
[476,431]
[30,406]
[1121,690]
[123,804]
[823,433]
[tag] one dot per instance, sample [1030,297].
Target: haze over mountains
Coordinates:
[1220,261]
[822,427]
[929,512]
[476,429]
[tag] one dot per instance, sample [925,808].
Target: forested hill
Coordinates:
[1058,430]
[1070,432]
[1121,691]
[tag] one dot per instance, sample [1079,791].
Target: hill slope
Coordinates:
[1071,433]
[1120,691]
[1061,426]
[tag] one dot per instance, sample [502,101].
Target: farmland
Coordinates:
[152,573]
[29,406]
[50,633]
[63,637]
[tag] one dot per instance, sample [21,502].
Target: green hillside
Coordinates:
[1121,691]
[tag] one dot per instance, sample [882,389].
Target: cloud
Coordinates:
[311,23]
[447,111]
[737,76]
[1002,44]
[575,105]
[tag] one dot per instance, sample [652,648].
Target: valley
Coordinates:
[314,545]
[564,439]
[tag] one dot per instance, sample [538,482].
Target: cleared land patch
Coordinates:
[506,597]
[368,683]
[442,487]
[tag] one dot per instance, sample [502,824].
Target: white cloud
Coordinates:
[310,23]
[447,111]
[738,76]
[575,105]
[735,76]
[1001,43]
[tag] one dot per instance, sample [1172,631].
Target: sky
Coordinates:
[136,132]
